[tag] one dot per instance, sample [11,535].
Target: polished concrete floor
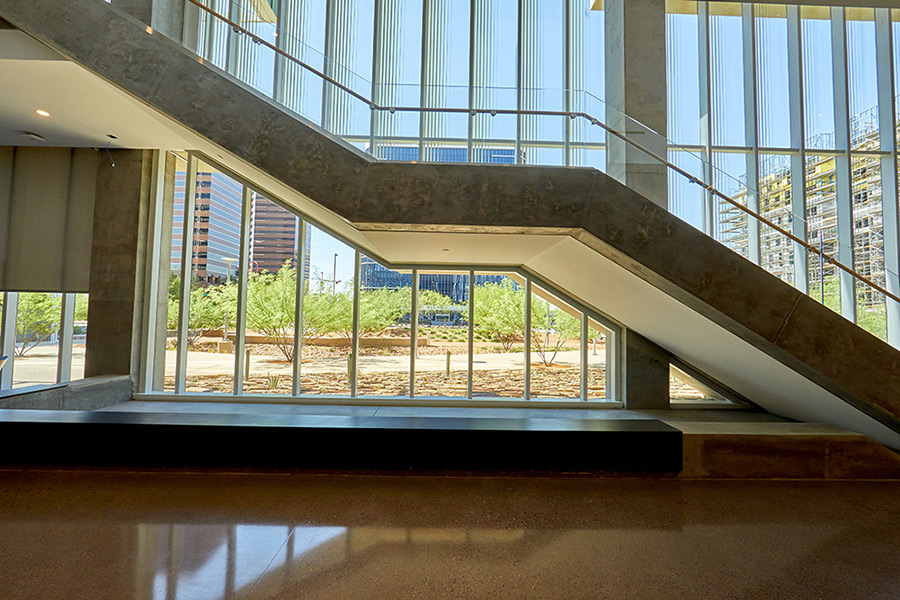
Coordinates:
[197,536]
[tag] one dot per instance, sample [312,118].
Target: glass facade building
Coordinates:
[791,111]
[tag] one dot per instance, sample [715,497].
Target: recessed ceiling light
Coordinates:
[42,112]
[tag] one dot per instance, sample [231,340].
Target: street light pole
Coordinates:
[334,276]
[228,260]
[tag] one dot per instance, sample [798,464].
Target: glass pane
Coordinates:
[821,219]
[587,73]
[773,90]
[214,34]
[686,389]
[79,336]
[385,304]
[302,36]
[555,347]
[776,250]
[349,51]
[582,156]
[683,75]
[681,390]
[542,46]
[543,155]
[730,224]
[327,316]
[37,338]
[254,63]
[442,351]
[271,298]
[174,258]
[499,362]
[495,155]
[818,78]
[863,80]
[398,71]
[215,270]
[494,82]
[446,72]
[868,242]
[687,199]
[895,34]
[598,358]
[727,66]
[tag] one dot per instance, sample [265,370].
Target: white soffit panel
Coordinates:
[588,275]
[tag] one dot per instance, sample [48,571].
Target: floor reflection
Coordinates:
[215,562]
[163,536]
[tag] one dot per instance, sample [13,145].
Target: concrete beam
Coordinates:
[646,374]
[85,394]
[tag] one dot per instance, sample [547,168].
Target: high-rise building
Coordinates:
[274,234]
[776,252]
[217,226]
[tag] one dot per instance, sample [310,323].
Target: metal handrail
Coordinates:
[237,28]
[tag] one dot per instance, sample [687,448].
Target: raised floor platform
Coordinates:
[353,442]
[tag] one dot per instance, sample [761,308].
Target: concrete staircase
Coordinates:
[611,248]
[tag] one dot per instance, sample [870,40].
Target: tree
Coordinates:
[271,299]
[325,313]
[81,307]
[36,320]
[209,307]
[550,321]
[381,308]
[500,312]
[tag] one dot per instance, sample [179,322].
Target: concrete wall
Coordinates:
[85,394]
[117,264]
[646,374]
[165,16]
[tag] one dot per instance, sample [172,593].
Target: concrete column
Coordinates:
[165,16]
[142,10]
[646,374]
[115,307]
[636,87]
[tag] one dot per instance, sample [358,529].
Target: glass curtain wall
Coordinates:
[801,128]
[263,302]
[472,65]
